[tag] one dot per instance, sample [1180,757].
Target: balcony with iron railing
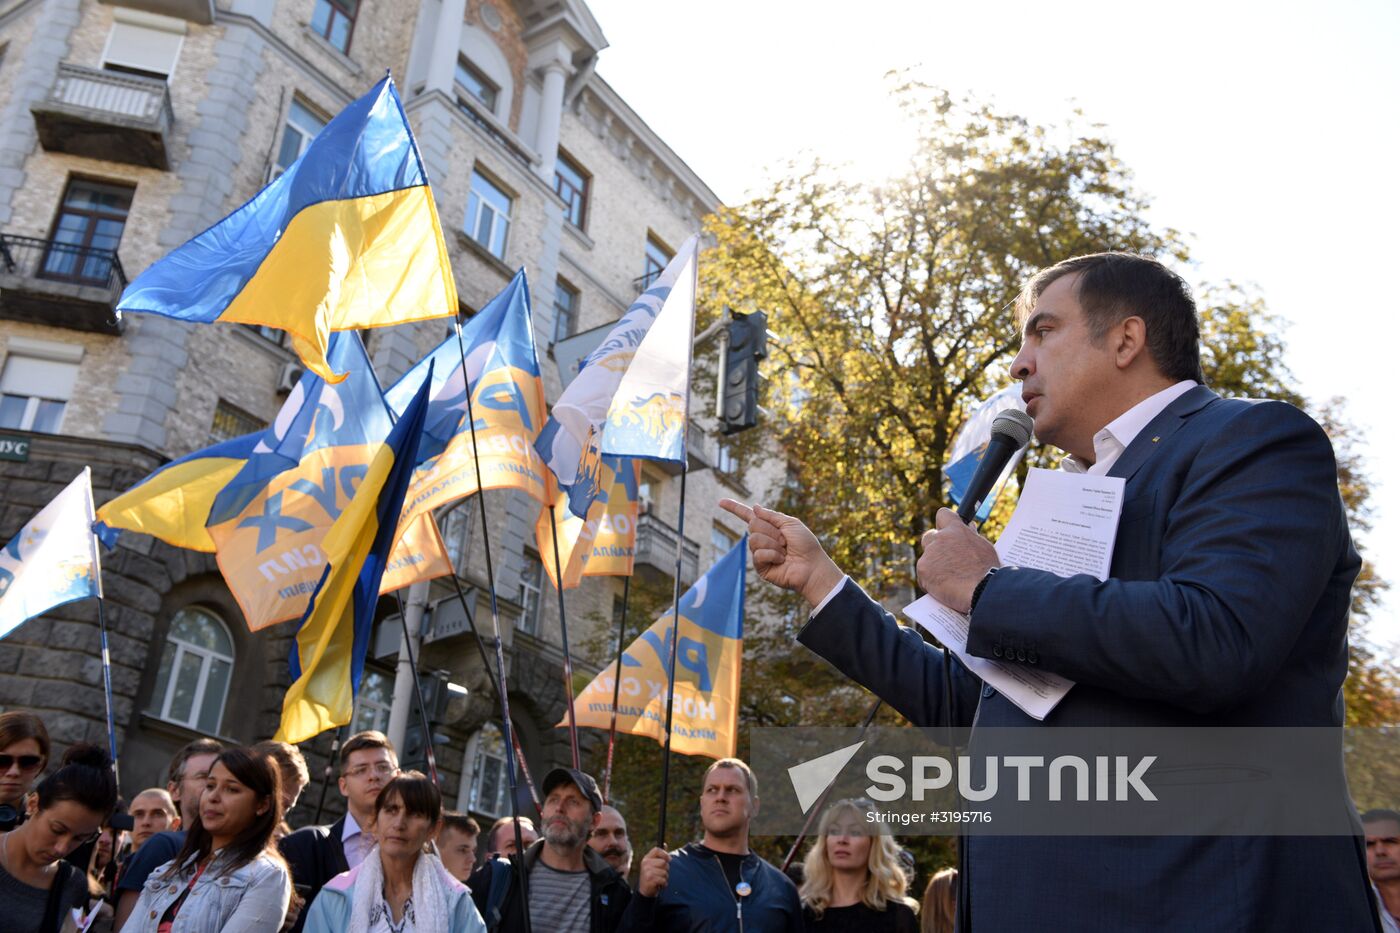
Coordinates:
[106,115]
[60,284]
[656,548]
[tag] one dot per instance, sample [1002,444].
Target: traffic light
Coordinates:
[435,697]
[748,343]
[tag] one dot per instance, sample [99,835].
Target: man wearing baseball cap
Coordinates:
[571,888]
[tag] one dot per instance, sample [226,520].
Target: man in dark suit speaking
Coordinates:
[1226,605]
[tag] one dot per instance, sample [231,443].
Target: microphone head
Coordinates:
[1015,425]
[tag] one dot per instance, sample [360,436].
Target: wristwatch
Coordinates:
[982,585]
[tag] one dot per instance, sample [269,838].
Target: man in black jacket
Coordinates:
[717,884]
[316,854]
[571,889]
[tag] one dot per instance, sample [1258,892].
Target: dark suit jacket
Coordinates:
[1226,606]
[315,855]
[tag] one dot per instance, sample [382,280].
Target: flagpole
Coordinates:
[671,663]
[418,692]
[617,685]
[326,778]
[496,625]
[107,687]
[564,637]
[813,813]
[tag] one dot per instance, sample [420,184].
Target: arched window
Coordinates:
[195,667]
[489,790]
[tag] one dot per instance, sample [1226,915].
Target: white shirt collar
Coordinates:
[1114,437]
[351,827]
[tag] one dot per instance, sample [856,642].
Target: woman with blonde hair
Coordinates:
[852,876]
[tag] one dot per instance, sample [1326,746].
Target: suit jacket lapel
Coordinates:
[1159,429]
[337,848]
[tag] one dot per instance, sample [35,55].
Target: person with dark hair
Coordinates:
[457,844]
[186,777]
[718,883]
[500,840]
[1225,606]
[69,807]
[24,750]
[228,876]
[398,886]
[317,854]
[609,839]
[1382,830]
[571,888]
[853,879]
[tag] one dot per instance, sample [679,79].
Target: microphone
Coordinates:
[1011,430]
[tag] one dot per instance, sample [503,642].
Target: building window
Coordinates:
[143,44]
[87,230]
[230,422]
[488,215]
[456,532]
[571,183]
[725,461]
[721,540]
[195,667]
[648,493]
[34,390]
[655,262]
[477,84]
[335,21]
[530,587]
[302,127]
[372,702]
[565,310]
[490,785]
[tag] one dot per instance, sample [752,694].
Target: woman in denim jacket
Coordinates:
[229,877]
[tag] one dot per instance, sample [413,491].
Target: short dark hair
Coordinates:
[464,824]
[17,725]
[176,773]
[1114,286]
[1381,816]
[416,791]
[360,741]
[85,777]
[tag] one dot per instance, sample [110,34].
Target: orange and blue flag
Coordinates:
[328,658]
[348,237]
[709,650]
[269,521]
[604,544]
[507,402]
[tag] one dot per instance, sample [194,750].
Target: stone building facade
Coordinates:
[128,127]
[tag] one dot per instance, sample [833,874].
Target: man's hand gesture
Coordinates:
[786,553]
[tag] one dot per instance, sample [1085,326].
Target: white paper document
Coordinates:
[1065,523]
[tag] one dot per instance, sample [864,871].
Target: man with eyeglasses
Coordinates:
[316,854]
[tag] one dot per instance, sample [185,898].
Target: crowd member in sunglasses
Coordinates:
[68,808]
[24,750]
[853,878]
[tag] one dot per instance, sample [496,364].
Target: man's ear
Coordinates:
[593,824]
[1130,340]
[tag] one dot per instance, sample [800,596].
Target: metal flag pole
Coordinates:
[564,637]
[617,684]
[671,665]
[418,692]
[496,626]
[107,686]
[326,777]
[821,801]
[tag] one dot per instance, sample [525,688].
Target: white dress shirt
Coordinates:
[356,842]
[1109,444]
[1115,436]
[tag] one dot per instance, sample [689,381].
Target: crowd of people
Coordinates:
[212,851]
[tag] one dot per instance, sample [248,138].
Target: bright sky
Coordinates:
[1269,132]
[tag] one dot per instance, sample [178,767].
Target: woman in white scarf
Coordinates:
[400,887]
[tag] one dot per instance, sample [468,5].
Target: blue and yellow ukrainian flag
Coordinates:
[710,648]
[507,401]
[346,238]
[328,658]
[173,503]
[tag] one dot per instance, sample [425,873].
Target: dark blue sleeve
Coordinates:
[159,849]
[865,643]
[1250,543]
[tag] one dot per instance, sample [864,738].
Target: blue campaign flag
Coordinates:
[53,560]
[971,443]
